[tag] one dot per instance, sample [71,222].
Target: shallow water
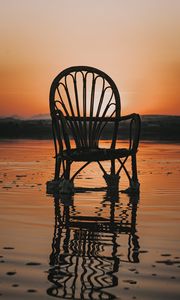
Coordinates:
[95,246]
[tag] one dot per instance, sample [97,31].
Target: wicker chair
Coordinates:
[84,104]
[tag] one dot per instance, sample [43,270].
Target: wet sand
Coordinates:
[134,257]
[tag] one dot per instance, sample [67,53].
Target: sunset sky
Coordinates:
[137,42]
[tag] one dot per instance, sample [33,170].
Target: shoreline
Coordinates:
[153,128]
[144,141]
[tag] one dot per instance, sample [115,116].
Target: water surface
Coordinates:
[96,246]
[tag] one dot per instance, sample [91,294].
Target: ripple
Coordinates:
[11,273]
[168,262]
[8,248]
[31,291]
[33,264]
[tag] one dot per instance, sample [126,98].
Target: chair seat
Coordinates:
[98,154]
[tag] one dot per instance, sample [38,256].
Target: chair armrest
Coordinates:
[134,129]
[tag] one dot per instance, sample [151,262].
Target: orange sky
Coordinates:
[136,42]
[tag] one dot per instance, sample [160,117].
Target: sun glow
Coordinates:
[137,44]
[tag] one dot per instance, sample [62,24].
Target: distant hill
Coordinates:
[25,129]
[160,127]
[154,127]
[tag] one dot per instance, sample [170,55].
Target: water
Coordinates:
[94,246]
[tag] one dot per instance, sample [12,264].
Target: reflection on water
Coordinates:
[95,249]
[84,260]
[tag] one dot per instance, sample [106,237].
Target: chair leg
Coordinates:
[57,168]
[112,179]
[134,184]
[113,170]
[67,170]
[53,185]
[66,185]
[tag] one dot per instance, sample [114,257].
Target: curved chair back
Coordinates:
[83,100]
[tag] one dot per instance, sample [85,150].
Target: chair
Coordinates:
[85,106]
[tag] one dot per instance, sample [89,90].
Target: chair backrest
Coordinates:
[88,99]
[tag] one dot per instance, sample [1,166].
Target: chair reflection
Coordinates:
[84,260]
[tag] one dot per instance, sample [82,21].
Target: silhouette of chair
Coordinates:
[85,107]
[84,261]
